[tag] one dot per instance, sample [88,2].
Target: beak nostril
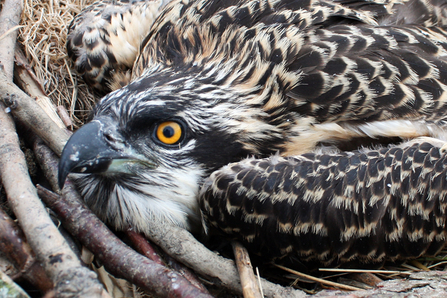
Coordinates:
[109,137]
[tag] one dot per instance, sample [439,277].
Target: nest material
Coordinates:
[43,34]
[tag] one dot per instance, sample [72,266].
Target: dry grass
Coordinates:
[43,36]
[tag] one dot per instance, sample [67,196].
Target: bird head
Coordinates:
[150,144]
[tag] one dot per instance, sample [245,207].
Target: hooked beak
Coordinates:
[98,148]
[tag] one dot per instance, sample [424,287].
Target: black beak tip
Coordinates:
[61,179]
[62,171]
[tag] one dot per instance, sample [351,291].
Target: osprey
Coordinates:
[218,81]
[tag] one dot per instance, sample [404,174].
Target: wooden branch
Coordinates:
[9,19]
[63,115]
[60,263]
[250,287]
[25,77]
[143,247]
[14,246]
[9,288]
[223,272]
[186,273]
[118,258]
[28,82]
[28,111]
[366,278]
[47,160]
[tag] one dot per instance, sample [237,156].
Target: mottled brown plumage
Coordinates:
[104,39]
[238,78]
[367,206]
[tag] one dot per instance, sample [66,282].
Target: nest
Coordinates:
[42,36]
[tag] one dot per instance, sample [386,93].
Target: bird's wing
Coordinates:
[426,13]
[370,205]
[327,69]
[105,38]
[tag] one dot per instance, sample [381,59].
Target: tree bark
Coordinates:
[60,263]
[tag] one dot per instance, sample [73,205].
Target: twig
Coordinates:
[23,72]
[28,111]
[186,273]
[9,21]
[118,258]
[363,271]
[320,280]
[223,272]
[63,114]
[142,245]
[28,82]
[9,288]
[250,287]
[60,263]
[14,246]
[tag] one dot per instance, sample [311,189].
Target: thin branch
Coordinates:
[250,287]
[223,272]
[118,258]
[9,21]
[28,111]
[60,263]
[320,280]
[9,288]
[14,246]
[143,247]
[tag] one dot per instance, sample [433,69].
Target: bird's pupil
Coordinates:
[168,132]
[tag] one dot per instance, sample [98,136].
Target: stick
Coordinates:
[28,111]
[186,249]
[320,280]
[9,21]
[367,278]
[60,263]
[28,82]
[363,271]
[10,288]
[118,258]
[14,246]
[186,273]
[143,246]
[250,287]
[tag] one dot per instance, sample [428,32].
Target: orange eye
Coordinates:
[169,132]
